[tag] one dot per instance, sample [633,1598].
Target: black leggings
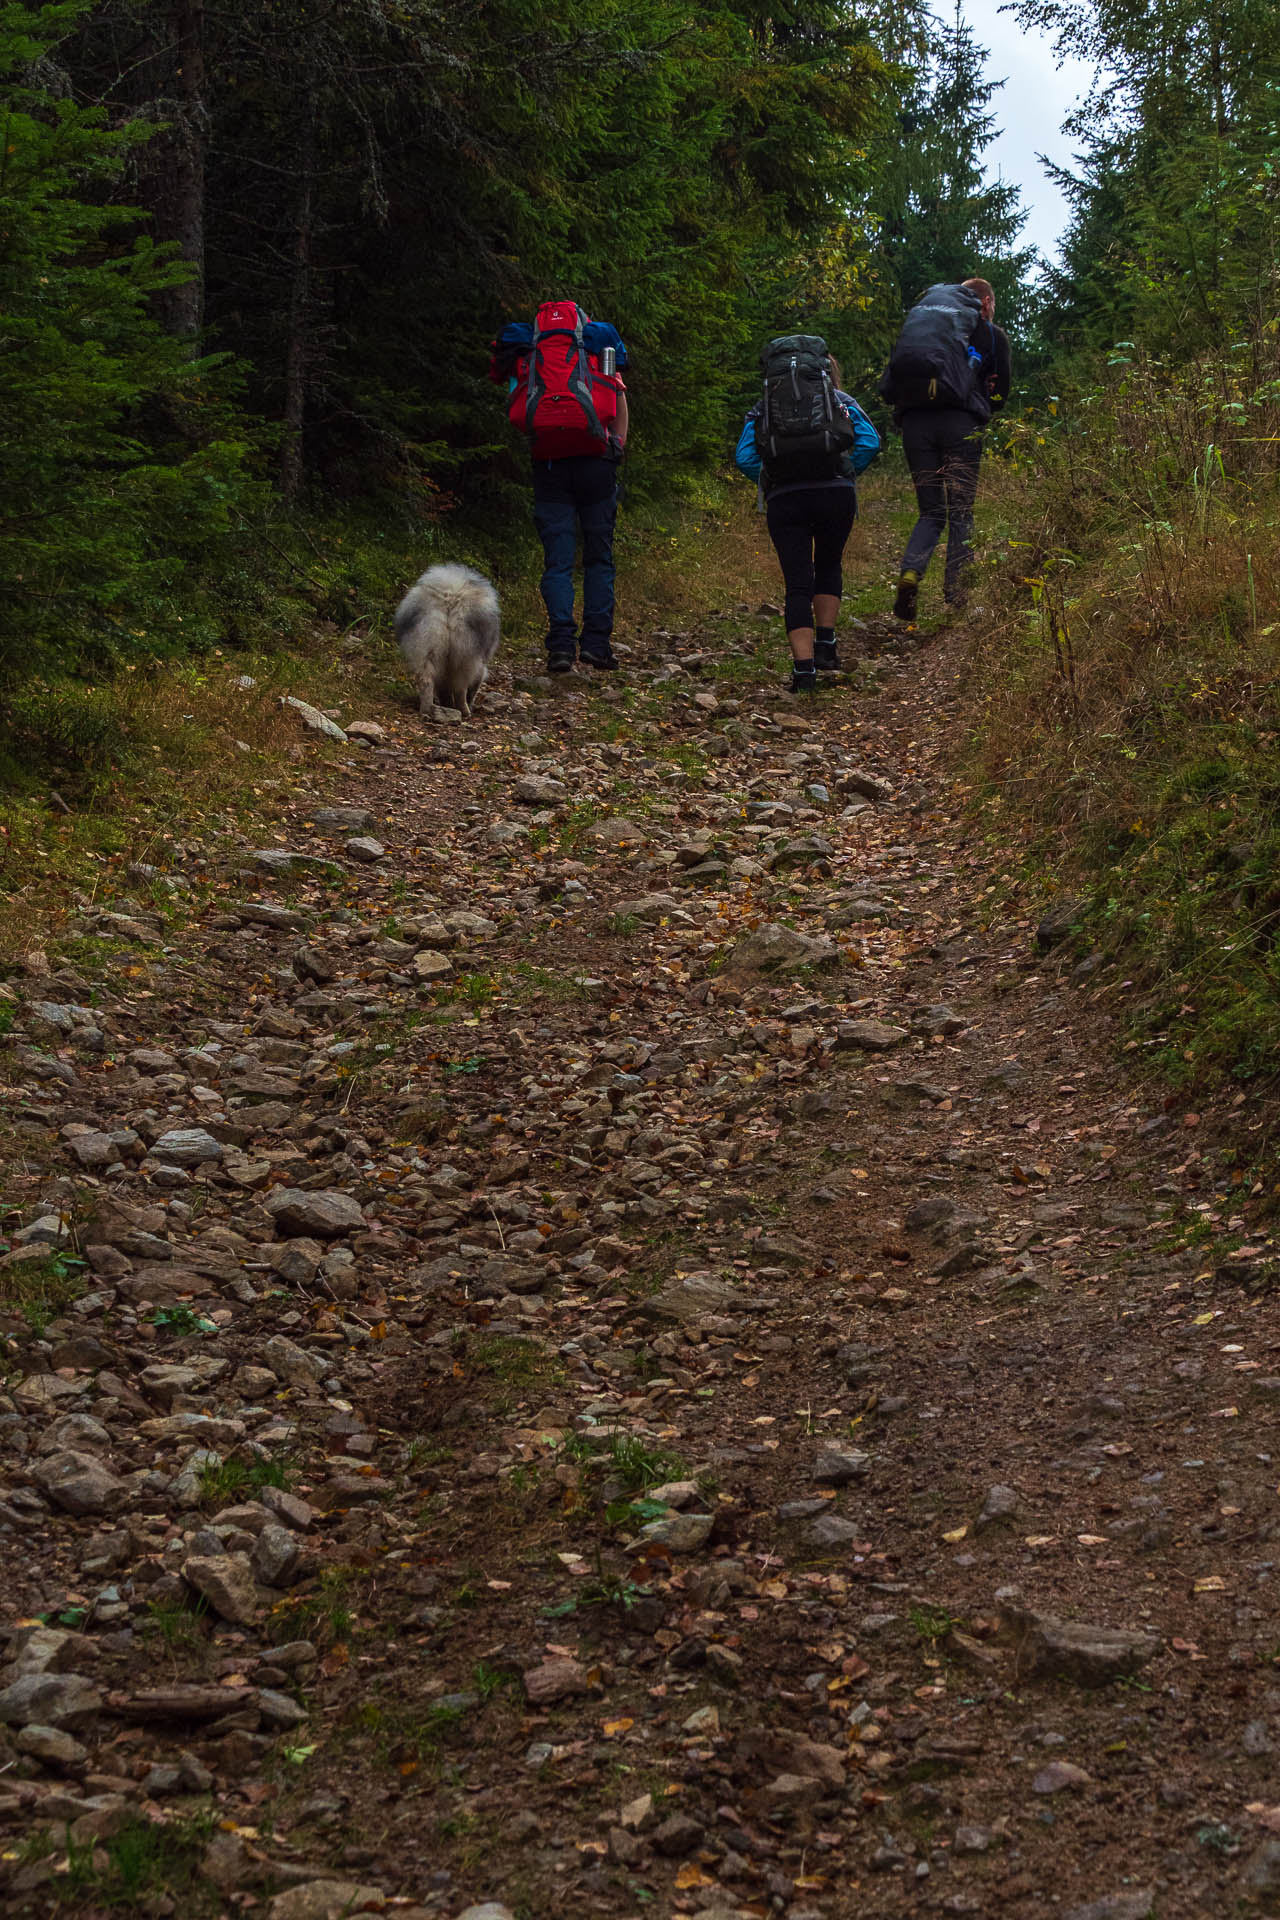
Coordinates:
[809,527]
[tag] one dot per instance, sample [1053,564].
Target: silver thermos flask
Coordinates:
[608,361]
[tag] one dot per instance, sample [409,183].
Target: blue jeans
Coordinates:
[580,492]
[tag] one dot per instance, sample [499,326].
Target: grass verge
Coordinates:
[1125,745]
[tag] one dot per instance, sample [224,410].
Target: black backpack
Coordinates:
[802,430]
[931,364]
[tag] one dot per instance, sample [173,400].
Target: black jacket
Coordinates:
[997,364]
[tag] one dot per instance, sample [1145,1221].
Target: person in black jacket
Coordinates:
[943,445]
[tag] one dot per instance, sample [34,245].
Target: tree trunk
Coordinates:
[180,207]
[297,346]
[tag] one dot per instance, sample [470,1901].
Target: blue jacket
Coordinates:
[517,337]
[866,444]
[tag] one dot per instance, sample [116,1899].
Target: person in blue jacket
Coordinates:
[809,524]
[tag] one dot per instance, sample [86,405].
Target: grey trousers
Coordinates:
[943,446]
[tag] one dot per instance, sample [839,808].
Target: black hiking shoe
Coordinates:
[603,659]
[803,679]
[904,607]
[560,660]
[825,657]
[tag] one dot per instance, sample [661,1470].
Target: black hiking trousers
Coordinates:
[943,446]
[809,527]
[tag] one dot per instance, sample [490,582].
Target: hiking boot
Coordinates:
[904,607]
[825,657]
[560,660]
[603,659]
[803,679]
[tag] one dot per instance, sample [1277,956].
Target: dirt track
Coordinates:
[877,1264]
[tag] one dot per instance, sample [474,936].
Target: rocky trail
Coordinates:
[600,1332]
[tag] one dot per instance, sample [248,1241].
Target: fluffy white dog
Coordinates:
[448,626]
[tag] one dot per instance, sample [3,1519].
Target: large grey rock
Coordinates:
[63,1700]
[47,1230]
[537,791]
[280,1711]
[45,1650]
[297,1261]
[226,1581]
[618,832]
[312,718]
[487,1910]
[187,1147]
[364,848]
[80,1484]
[44,1392]
[93,1149]
[1002,1505]
[1091,1656]
[869,785]
[275,1555]
[777,949]
[1134,1903]
[52,1746]
[560,1679]
[929,1212]
[1060,1776]
[463,924]
[63,1018]
[292,1363]
[832,1530]
[693,1299]
[837,1466]
[938,1019]
[213,1429]
[326,1215]
[265,913]
[326,1900]
[276,861]
[682,1532]
[343,820]
[868,1036]
[810,849]
[186,1489]
[678,1835]
[1071,1650]
[431,964]
[288,1508]
[648,906]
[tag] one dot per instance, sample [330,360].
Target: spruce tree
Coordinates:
[109,477]
[941,216]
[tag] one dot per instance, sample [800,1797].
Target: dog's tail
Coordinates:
[443,600]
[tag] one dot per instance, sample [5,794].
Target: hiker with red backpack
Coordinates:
[802,443]
[948,373]
[566,395]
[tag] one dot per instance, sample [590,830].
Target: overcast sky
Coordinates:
[1029,110]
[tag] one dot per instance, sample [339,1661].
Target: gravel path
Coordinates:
[601,1331]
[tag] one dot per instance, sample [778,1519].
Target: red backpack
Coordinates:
[561,399]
